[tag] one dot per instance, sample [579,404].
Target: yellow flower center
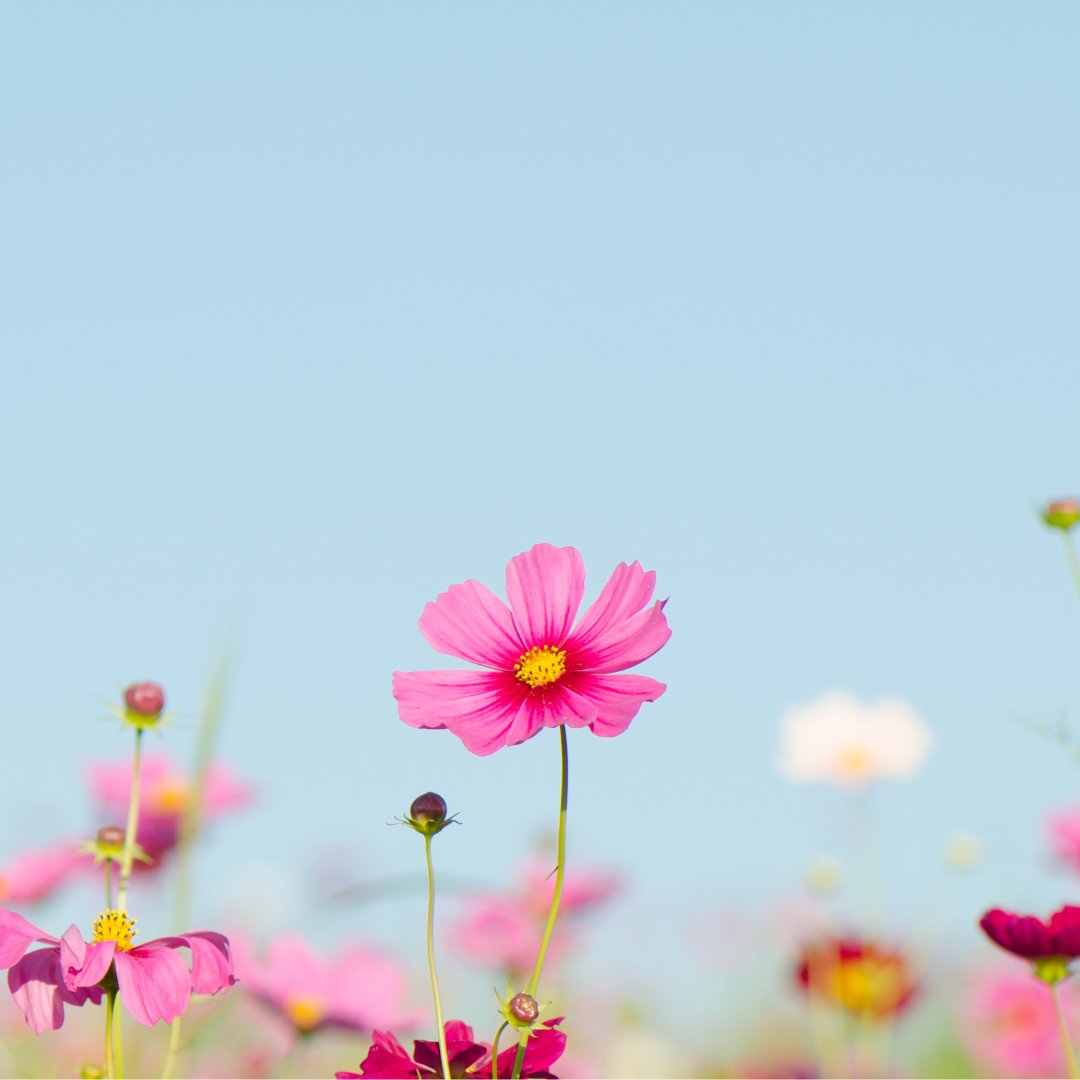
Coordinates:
[305,1012]
[169,797]
[856,762]
[541,665]
[115,926]
[868,983]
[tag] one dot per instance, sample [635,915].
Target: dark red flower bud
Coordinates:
[112,835]
[428,807]
[523,1007]
[144,698]
[1062,513]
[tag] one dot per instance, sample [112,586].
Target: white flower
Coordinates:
[839,740]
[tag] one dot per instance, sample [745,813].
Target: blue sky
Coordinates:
[310,311]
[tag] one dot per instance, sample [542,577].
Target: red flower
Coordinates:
[1028,936]
[388,1059]
[859,975]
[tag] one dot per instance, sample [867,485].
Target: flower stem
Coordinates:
[108,884]
[431,958]
[1070,554]
[495,1051]
[174,1045]
[110,998]
[128,854]
[118,1028]
[1063,1031]
[534,982]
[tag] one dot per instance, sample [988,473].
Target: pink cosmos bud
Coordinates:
[1062,513]
[144,698]
[111,835]
[523,1007]
[428,807]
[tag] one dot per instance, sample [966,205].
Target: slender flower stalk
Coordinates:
[1063,1031]
[534,982]
[495,1051]
[128,855]
[110,1069]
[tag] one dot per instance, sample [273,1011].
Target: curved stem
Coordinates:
[128,854]
[495,1051]
[431,959]
[1063,1031]
[174,1045]
[110,999]
[534,982]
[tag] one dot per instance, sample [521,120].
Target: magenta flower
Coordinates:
[1033,939]
[544,671]
[33,875]
[164,791]
[388,1059]
[153,979]
[359,989]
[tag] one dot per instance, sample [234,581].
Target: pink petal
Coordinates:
[615,633]
[15,937]
[83,964]
[470,621]
[38,990]
[544,586]
[211,961]
[367,989]
[438,699]
[32,875]
[617,698]
[155,984]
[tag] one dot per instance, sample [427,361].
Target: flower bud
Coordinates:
[1062,514]
[523,1008]
[144,699]
[111,836]
[428,807]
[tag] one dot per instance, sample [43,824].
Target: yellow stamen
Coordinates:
[305,1012]
[115,926]
[541,666]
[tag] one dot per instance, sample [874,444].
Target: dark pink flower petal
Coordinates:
[16,934]
[616,698]
[155,984]
[544,586]
[38,989]
[1023,935]
[1065,931]
[388,1060]
[461,1050]
[615,633]
[543,1049]
[470,621]
[211,960]
[83,964]
[438,699]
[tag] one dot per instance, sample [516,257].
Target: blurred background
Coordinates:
[310,311]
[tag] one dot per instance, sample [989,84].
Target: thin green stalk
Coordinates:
[118,1028]
[495,1051]
[108,884]
[110,999]
[534,982]
[431,958]
[128,854]
[1070,554]
[174,1045]
[1063,1031]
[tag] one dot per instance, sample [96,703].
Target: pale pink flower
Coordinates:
[154,981]
[583,887]
[34,874]
[360,988]
[1064,832]
[1008,1027]
[164,790]
[544,670]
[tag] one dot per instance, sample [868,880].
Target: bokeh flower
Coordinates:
[859,975]
[164,792]
[1063,831]
[544,670]
[389,1060]
[358,989]
[840,740]
[34,874]
[153,980]
[1007,1024]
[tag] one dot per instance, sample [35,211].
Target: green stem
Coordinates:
[431,958]
[108,884]
[110,999]
[174,1045]
[1070,554]
[495,1051]
[1063,1031]
[534,982]
[128,855]
[118,1028]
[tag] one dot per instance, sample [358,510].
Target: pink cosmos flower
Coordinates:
[1008,1026]
[544,671]
[388,1059]
[359,989]
[154,982]
[1064,832]
[163,794]
[34,874]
